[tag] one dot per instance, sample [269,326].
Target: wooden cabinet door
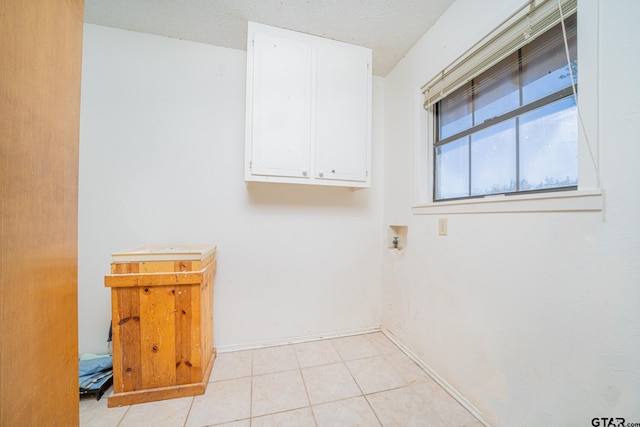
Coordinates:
[41,46]
[343,111]
[281,106]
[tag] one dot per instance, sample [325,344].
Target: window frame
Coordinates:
[588,196]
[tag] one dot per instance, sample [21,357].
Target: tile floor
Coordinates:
[362,380]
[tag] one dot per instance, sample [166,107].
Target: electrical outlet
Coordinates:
[443,227]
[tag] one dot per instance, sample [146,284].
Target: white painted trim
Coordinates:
[561,201]
[296,340]
[437,378]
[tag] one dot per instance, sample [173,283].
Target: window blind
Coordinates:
[525,25]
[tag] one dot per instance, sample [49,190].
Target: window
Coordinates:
[542,112]
[513,127]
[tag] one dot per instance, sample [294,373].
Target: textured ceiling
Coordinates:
[389,27]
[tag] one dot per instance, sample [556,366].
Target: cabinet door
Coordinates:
[343,111]
[281,110]
[40,118]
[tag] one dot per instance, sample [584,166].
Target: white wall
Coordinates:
[161,162]
[533,317]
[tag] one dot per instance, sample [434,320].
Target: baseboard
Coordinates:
[296,340]
[437,378]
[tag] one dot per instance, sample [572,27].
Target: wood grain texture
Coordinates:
[126,311]
[41,50]
[159,266]
[184,319]
[162,331]
[153,279]
[157,336]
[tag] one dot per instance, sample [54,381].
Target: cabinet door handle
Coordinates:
[321,173]
[304,172]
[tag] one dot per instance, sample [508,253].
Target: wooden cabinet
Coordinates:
[308,109]
[162,308]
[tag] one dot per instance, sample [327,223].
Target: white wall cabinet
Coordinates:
[308,109]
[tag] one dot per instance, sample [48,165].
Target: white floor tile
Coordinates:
[274,359]
[161,413]
[318,383]
[354,412]
[375,374]
[241,423]
[296,418]
[383,345]
[409,370]
[403,407]
[223,401]
[447,408]
[316,353]
[354,347]
[277,392]
[232,365]
[327,383]
[95,413]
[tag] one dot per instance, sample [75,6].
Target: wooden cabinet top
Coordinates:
[164,253]
[157,265]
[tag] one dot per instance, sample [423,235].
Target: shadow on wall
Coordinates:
[298,195]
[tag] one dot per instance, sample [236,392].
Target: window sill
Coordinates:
[569,201]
